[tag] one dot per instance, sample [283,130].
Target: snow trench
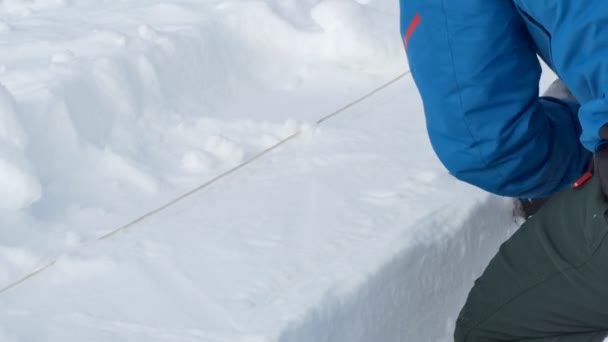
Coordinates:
[109,116]
[419,293]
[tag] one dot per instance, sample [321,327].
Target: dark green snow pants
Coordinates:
[549,282]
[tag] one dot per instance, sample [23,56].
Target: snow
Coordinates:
[20,185]
[110,109]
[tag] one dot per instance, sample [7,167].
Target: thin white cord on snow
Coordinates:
[216,179]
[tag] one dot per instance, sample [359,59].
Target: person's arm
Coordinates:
[477,71]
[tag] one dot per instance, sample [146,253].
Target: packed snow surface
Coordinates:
[110,109]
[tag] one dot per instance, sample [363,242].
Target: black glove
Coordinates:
[527,207]
[601,167]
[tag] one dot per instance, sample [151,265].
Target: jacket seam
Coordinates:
[459,90]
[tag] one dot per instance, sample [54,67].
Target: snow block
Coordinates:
[419,293]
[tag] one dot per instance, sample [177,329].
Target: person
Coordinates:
[475,63]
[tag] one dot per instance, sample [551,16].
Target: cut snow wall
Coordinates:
[417,296]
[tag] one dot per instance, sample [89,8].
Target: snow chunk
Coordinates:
[225,149]
[147,32]
[123,169]
[11,132]
[196,161]
[19,188]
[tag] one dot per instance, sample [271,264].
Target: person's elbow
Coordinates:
[493,169]
[467,165]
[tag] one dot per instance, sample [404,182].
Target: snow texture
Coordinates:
[108,109]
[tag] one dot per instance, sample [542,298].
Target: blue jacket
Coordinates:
[475,64]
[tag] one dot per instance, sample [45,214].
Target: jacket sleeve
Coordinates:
[477,72]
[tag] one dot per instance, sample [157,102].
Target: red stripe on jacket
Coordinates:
[410,29]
